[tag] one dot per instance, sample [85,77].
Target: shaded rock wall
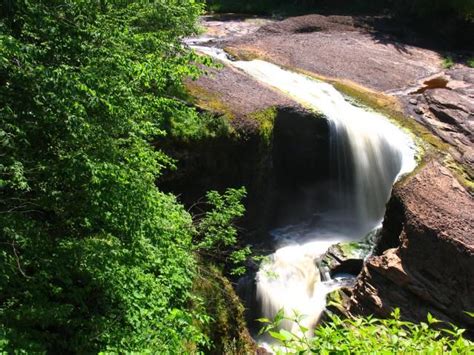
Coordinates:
[426,253]
[297,151]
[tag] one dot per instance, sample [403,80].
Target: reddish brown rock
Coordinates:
[228,90]
[447,109]
[429,266]
[339,47]
[453,108]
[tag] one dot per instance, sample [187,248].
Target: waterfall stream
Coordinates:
[368,153]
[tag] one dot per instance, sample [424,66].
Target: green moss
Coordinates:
[266,120]
[354,248]
[207,100]
[227,328]
[243,53]
[460,172]
[447,62]
[334,299]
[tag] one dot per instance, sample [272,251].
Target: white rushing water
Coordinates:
[369,154]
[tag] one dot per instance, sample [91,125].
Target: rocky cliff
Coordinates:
[426,252]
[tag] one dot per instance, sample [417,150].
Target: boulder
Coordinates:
[345,258]
[426,253]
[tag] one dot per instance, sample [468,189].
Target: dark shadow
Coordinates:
[231,17]
[308,29]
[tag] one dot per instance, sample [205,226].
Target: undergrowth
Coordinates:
[368,335]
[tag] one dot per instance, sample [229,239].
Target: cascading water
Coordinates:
[369,154]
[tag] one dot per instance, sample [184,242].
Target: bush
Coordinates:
[368,335]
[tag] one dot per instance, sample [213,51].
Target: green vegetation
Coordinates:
[226,329]
[368,336]
[470,62]
[93,256]
[288,7]
[448,62]
[266,119]
[209,101]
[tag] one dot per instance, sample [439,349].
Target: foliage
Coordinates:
[200,127]
[93,256]
[470,62]
[448,62]
[218,236]
[290,7]
[368,335]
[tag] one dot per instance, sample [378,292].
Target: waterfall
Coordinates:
[368,154]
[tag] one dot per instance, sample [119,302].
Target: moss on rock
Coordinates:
[208,100]
[345,257]
[242,53]
[227,328]
[266,120]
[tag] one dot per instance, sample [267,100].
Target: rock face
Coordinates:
[227,90]
[345,258]
[447,109]
[426,261]
[273,169]
[339,47]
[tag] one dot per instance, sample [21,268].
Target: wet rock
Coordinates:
[429,230]
[336,303]
[345,258]
[262,351]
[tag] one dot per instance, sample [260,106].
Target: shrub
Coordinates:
[368,335]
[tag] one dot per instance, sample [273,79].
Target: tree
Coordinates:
[93,256]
